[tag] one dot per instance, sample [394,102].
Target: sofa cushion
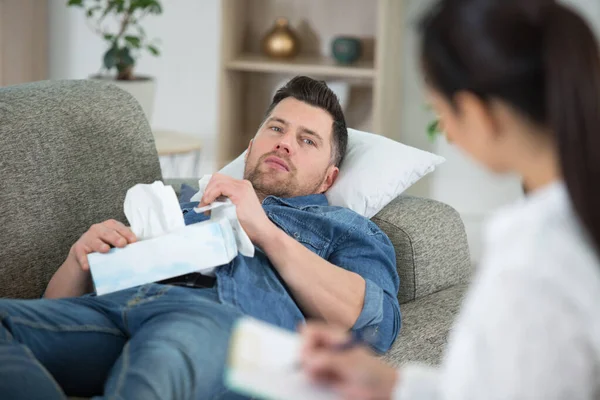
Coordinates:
[69,150]
[425,326]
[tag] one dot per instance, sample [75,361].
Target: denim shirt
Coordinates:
[337,235]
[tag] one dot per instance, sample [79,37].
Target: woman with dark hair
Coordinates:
[517,86]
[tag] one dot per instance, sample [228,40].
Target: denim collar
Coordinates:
[298,202]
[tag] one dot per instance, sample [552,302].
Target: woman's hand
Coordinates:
[355,373]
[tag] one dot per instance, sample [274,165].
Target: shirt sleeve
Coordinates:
[369,253]
[517,338]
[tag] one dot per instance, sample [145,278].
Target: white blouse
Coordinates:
[530,324]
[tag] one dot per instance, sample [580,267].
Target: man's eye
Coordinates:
[309,142]
[276,129]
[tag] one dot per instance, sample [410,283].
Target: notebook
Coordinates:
[264,362]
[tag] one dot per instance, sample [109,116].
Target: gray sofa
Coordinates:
[69,150]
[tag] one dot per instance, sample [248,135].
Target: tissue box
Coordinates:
[194,248]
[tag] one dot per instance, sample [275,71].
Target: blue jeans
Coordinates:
[150,342]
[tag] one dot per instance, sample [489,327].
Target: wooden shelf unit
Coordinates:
[248,79]
[303,64]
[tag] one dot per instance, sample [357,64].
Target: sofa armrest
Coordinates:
[431,246]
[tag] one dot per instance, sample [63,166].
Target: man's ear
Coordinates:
[330,177]
[248,150]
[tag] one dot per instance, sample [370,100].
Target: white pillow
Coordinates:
[375,171]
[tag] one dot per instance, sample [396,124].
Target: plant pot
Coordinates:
[143,89]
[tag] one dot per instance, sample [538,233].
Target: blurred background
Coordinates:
[219,61]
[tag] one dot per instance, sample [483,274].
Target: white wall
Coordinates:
[186,72]
[590,9]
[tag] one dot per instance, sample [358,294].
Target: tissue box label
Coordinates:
[193,248]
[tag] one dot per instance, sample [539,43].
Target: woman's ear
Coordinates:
[476,115]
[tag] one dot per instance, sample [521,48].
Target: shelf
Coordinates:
[306,65]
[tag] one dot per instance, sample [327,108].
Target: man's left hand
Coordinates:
[249,209]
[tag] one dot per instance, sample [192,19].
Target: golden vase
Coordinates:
[281,41]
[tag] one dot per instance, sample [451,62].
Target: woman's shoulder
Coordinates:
[542,240]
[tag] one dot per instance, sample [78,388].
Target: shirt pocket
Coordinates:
[305,233]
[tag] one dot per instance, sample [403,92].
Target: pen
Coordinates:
[357,338]
[364,337]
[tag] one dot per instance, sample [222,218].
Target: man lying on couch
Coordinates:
[169,340]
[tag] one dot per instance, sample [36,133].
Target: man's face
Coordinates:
[291,153]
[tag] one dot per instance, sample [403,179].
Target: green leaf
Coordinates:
[109,37]
[125,58]
[433,130]
[120,4]
[134,41]
[76,3]
[111,58]
[152,6]
[153,50]
[90,12]
[155,8]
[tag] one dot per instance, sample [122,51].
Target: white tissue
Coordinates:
[244,245]
[152,210]
[202,183]
[224,208]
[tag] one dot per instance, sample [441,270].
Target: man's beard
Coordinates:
[265,184]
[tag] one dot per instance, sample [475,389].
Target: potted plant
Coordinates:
[118,22]
[433,129]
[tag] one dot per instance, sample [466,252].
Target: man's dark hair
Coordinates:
[317,94]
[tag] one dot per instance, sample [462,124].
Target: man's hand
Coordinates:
[99,238]
[249,209]
[73,277]
[354,373]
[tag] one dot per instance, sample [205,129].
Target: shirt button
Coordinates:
[297,235]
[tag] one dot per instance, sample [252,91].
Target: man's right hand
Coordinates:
[73,277]
[99,238]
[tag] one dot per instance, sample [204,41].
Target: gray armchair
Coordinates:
[69,150]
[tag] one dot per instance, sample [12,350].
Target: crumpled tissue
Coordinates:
[166,247]
[152,210]
[224,208]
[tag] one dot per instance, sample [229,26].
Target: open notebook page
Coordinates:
[264,362]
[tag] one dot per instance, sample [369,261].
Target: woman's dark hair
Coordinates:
[318,94]
[539,57]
